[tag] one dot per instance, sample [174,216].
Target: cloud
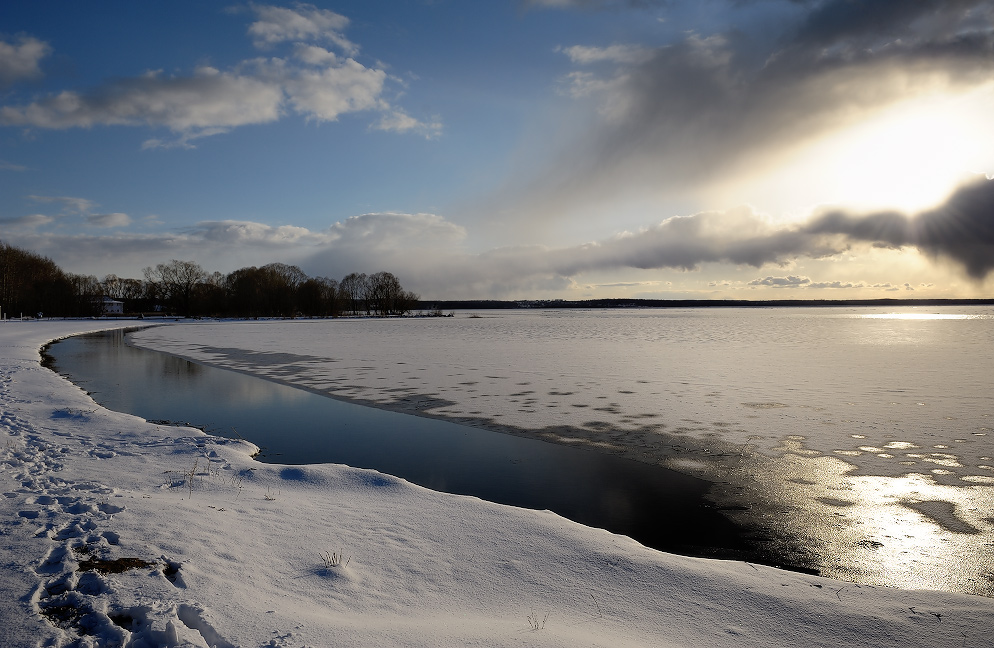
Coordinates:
[20,59]
[206,103]
[684,114]
[304,22]
[324,94]
[738,236]
[393,231]
[29,222]
[69,204]
[311,81]
[855,25]
[790,281]
[624,284]
[400,122]
[585,55]
[960,230]
[10,166]
[794,281]
[240,233]
[428,251]
[108,220]
[834,285]
[73,206]
[368,242]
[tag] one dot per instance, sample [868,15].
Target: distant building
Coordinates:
[110,306]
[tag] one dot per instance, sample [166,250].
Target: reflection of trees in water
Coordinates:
[174,367]
[108,353]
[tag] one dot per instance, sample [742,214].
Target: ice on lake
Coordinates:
[855,439]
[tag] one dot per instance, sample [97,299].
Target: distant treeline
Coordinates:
[31,284]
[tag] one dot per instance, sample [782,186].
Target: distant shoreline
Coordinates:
[691,303]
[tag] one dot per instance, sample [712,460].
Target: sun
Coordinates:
[908,158]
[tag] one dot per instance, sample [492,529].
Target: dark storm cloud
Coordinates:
[871,20]
[961,229]
[685,243]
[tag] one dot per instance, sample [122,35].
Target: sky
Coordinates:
[516,149]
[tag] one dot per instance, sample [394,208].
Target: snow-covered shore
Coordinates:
[214,548]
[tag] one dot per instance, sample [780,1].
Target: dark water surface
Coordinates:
[660,508]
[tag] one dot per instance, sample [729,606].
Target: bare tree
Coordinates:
[318,296]
[281,282]
[354,288]
[87,292]
[407,301]
[387,297]
[177,281]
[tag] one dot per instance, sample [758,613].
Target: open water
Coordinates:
[661,508]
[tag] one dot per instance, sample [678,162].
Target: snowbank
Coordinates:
[115,531]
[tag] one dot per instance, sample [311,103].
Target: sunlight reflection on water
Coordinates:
[921,316]
[916,533]
[905,531]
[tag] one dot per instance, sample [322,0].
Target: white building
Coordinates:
[110,306]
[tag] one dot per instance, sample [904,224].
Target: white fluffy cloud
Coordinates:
[240,233]
[69,207]
[586,55]
[790,281]
[398,121]
[794,281]
[304,22]
[208,102]
[312,81]
[326,93]
[20,59]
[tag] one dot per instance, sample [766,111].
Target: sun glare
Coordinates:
[909,158]
[919,316]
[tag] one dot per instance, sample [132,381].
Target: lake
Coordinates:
[851,441]
[661,508]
